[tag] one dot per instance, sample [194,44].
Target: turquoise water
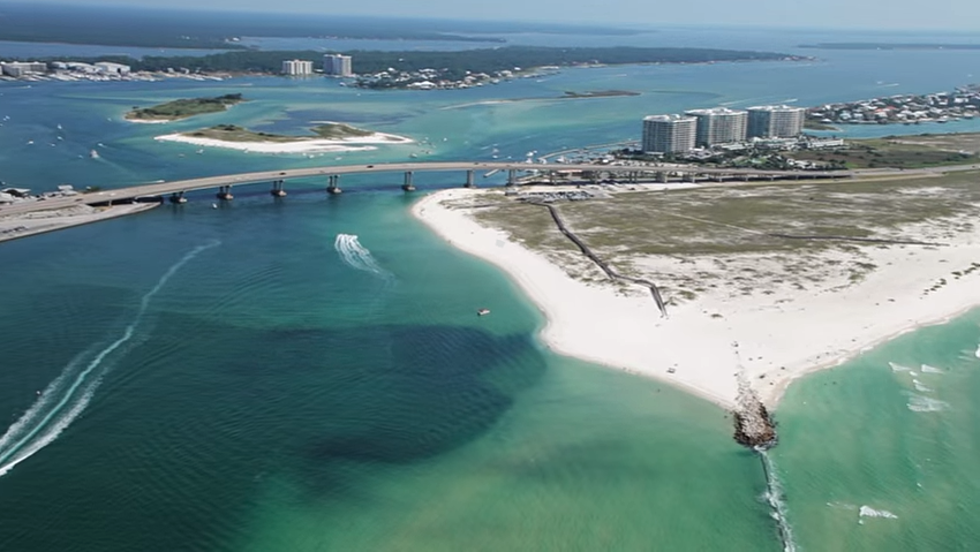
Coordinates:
[254,378]
[894,431]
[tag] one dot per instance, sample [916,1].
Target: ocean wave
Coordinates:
[921,403]
[868,511]
[65,398]
[921,388]
[777,504]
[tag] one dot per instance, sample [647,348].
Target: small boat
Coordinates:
[483,312]
[93,154]
[214,205]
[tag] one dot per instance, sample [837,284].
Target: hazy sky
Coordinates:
[882,14]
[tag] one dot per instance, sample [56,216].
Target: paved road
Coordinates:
[166,188]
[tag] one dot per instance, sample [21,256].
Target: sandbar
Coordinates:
[310,145]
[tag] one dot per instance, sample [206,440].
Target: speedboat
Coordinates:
[483,312]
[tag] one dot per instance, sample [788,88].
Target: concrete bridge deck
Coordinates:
[178,186]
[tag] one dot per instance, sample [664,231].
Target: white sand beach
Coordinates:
[780,335]
[149,122]
[311,145]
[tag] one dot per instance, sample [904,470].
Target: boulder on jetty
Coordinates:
[754,426]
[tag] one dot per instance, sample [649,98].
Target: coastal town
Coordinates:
[102,71]
[907,109]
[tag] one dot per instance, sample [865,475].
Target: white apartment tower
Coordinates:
[775,121]
[337,65]
[720,125]
[669,133]
[297,67]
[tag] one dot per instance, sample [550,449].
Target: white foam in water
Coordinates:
[977,352]
[926,369]
[921,403]
[868,511]
[66,397]
[357,256]
[774,496]
[899,367]
[920,388]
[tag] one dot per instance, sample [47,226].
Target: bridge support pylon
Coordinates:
[408,186]
[224,193]
[470,179]
[333,184]
[511,177]
[277,188]
[178,198]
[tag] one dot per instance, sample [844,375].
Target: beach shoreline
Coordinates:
[301,145]
[706,345]
[149,121]
[14,227]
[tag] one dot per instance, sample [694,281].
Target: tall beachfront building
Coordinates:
[337,65]
[775,121]
[719,125]
[297,67]
[669,133]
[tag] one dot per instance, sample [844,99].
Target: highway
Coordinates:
[166,188]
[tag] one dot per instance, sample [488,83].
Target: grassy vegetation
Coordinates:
[338,131]
[182,109]
[901,152]
[722,235]
[233,133]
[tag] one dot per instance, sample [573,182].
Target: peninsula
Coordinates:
[183,109]
[753,284]
[326,136]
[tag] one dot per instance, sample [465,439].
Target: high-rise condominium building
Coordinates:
[719,125]
[775,121]
[297,67]
[669,133]
[337,65]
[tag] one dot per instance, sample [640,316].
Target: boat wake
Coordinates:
[774,497]
[66,397]
[359,257]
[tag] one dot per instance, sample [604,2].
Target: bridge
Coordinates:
[332,174]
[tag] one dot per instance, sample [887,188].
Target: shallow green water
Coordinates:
[899,438]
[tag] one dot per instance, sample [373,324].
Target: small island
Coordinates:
[326,136]
[570,95]
[183,109]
